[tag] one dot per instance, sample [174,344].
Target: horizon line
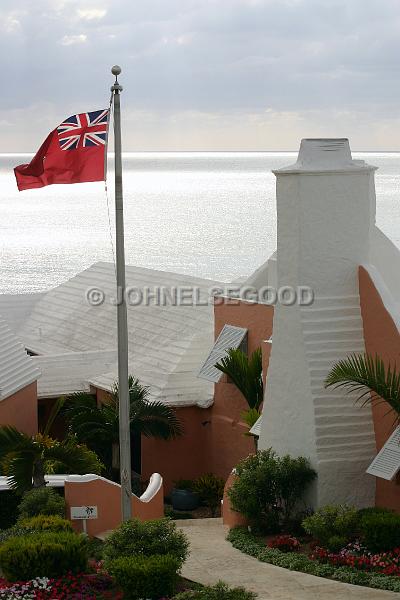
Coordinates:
[375,151]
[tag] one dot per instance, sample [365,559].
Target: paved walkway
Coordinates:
[213,558]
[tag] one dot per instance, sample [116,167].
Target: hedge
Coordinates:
[145,576]
[244,541]
[43,555]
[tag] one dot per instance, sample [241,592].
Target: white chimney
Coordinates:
[326,209]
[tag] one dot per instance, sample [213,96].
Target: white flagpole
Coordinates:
[122,322]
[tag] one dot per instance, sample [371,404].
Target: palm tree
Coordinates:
[26,459]
[368,376]
[246,374]
[98,426]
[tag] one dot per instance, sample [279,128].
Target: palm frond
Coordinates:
[246,374]
[20,471]
[12,440]
[154,419]
[70,457]
[90,423]
[137,391]
[368,377]
[55,411]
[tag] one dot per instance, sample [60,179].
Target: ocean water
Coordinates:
[209,214]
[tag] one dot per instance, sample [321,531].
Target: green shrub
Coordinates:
[220,591]
[43,555]
[41,501]
[41,523]
[269,487]
[380,531]
[337,542]
[147,538]
[9,501]
[210,489]
[145,576]
[15,531]
[46,523]
[333,525]
[373,510]
[95,548]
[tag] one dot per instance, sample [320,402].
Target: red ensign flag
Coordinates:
[74,152]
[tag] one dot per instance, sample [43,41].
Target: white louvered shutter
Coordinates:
[230,337]
[386,463]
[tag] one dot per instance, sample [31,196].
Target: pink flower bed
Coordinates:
[70,587]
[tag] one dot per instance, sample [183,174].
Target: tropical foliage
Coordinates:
[246,374]
[269,488]
[41,501]
[370,378]
[98,426]
[210,489]
[26,459]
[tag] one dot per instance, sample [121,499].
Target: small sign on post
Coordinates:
[82,513]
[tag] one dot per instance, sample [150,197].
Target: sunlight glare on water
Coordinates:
[211,215]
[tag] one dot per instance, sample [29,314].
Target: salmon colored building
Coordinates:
[18,387]
[327,243]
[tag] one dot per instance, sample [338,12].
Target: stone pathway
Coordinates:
[213,558]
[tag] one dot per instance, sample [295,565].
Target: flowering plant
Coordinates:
[356,556]
[285,543]
[69,587]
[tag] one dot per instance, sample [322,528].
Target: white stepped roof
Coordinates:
[15,308]
[166,343]
[67,373]
[17,369]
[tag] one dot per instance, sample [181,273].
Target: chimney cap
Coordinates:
[325,155]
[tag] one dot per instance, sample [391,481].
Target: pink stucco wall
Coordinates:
[230,517]
[186,457]
[382,338]
[227,444]
[214,439]
[20,410]
[107,497]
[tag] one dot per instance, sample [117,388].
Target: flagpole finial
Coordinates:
[116,70]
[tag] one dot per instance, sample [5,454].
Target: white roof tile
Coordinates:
[64,374]
[15,308]
[17,369]
[166,343]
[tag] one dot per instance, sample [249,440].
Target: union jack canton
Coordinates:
[84,130]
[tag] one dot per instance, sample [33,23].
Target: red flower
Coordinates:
[285,543]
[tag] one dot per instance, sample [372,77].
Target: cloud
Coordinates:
[225,58]
[70,40]
[10,22]
[91,14]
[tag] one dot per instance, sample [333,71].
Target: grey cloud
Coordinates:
[234,56]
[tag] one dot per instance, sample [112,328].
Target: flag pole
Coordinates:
[122,321]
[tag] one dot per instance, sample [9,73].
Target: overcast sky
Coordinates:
[204,74]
